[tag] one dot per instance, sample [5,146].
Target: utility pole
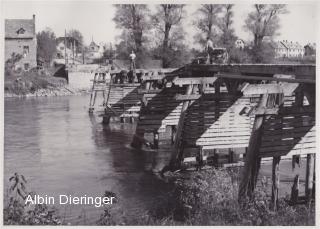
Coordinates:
[65,48]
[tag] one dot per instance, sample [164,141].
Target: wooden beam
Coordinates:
[149,91]
[249,174]
[217,95]
[255,89]
[309,176]
[187,80]
[153,77]
[246,77]
[176,152]
[180,97]
[275,182]
[301,71]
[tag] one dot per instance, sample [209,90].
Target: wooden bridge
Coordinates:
[223,114]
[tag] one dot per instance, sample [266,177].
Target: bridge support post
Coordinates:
[250,170]
[309,177]
[275,182]
[177,142]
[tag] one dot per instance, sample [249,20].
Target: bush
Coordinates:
[16,212]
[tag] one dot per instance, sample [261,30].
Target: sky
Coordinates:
[94,19]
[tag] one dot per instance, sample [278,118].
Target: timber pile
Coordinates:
[216,127]
[160,109]
[292,132]
[123,100]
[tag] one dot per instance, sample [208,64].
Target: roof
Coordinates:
[12,26]
[93,44]
[292,45]
[311,45]
[68,40]
[277,45]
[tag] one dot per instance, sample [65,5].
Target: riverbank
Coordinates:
[44,92]
[35,84]
[210,197]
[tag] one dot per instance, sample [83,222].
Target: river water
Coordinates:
[60,149]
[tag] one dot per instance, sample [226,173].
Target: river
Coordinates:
[60,149]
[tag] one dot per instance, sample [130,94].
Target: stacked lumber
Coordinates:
[215,125]
[161,110]
[123,99]
[291,132]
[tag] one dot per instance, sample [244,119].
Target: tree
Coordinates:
[207,22]
[167,21]
[227,37]
[46,45]
[262,22]
[77,35]
[133,18]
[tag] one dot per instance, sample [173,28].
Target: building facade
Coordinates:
[239,43]
[20,38]
[310,49]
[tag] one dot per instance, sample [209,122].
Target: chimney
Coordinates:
[34,23]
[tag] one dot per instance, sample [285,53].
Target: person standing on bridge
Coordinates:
[209,50]
[132,61]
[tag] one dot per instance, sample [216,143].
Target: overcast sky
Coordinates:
[94,19]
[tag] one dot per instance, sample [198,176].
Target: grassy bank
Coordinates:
[33,83]
[210,198]
[206,197]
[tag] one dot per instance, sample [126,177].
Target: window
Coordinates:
[26,66]
[25,50]
[21,31]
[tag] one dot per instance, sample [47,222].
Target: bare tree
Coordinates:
[134,19]
[207,21]
[168,21]
[227,37]
[264,21]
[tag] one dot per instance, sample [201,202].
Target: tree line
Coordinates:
[159,33]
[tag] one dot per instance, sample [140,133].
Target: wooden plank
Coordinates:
[247,77]
[177,143]
[153,77]
[292,152]
[285,88]
[309,176]
[187,97]
[249,174]
[300,71]
[192,81]
[275,182]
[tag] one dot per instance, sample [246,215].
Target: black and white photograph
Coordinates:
[154,114]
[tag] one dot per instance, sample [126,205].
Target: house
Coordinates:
[286,49]
[20,38]
[95,51]
[67,48]
[280,49]
[294,49]
[310,49]
[239,43]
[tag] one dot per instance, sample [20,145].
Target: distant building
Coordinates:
[294,49]
[280,49]
[310,49]
[95,51]
[20,38]
[286,49]
[239,43]
[67,48]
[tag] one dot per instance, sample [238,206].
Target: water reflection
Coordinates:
[62,150]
